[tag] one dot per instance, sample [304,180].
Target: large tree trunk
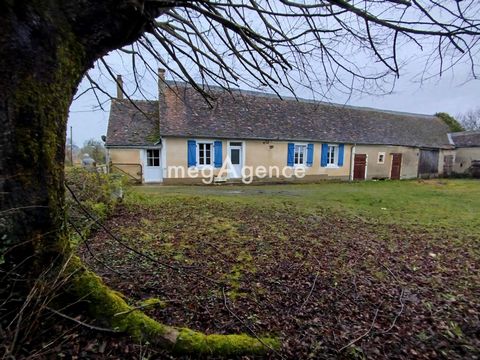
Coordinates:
[45,49]
[40,68]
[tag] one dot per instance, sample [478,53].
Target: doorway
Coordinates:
[428,163]
[396,167]
[360,167]
[152,171]
[235,153]
[447,165]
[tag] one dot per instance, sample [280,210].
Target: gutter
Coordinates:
[157,145]
[352,159]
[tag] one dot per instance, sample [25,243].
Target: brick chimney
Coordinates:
[161,96]
[161,83]
[119,87]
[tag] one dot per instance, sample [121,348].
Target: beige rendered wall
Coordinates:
[274,153]
[410,158]
[175,155]
[126,156]
[464,157]
[256,153]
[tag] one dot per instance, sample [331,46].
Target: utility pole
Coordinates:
[71,145]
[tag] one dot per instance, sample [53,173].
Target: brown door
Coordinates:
[359,166]
[396,166]
[447,165]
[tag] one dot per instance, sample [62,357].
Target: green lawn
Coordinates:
[335,270]
[451,203]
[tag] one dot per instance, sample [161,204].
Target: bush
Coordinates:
[95,193]
[452,123]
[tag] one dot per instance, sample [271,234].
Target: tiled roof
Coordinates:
[252,115]
[133,124]
[466,138]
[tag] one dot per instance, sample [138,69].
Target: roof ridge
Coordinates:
[466,132]
[304,100]
[130,100]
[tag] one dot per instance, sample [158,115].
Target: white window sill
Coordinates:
[331,166]
[299,166]
[204,167]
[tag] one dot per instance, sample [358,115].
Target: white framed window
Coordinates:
[381,158]
[153,157]
[300,155]
[205,153]
[332,155]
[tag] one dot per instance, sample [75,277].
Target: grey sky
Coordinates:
[449,93]
[454,92]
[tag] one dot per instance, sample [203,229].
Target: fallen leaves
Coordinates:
[328,285]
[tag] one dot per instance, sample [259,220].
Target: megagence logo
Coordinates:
[246,174]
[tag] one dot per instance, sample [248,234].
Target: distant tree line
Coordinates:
[470,120]
[94,148]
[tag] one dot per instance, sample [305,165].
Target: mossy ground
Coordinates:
[316,265]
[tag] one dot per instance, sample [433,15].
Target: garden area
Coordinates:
[333,270]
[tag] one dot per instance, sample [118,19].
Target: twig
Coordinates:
[391,273]
[140,307]
[248,327]
[179,268]
[398,314]
[366,332]
[92,327]
[312,288]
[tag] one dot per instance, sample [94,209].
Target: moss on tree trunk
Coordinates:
[108,305]
[45,49]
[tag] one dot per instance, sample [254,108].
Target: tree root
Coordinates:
[106,304]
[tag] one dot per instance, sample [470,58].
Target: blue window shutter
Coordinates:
[291,154]
[324,158]
[192,153]
[218,154]
[309,154]
[341,150]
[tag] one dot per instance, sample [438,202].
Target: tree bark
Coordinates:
[45,49]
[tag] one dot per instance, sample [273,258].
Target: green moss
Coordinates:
[110,306]
[42,98]
[153,138]
[227,345]
[153,302]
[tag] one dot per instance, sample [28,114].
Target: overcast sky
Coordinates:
[455,92]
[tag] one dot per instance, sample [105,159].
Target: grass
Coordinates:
[314,264]
[431,203]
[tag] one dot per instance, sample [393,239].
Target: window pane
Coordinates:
[153,157]
[235,156]
[205,153]
[208,154]
[299,155]
[235,144]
